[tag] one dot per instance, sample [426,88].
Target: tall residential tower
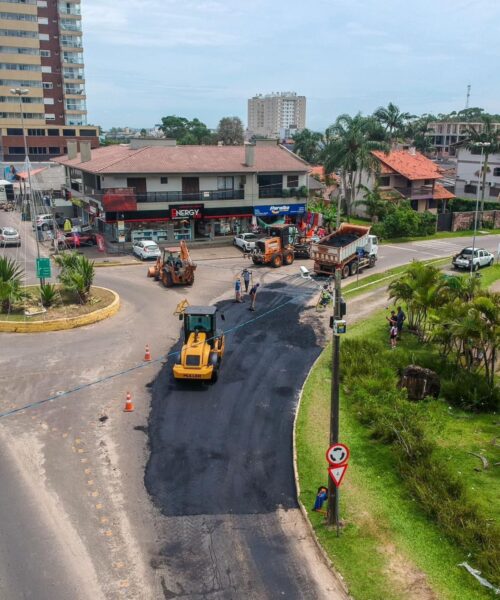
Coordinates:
[41,67]
[276,115]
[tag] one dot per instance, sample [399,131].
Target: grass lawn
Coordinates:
[440,235]
[389,549]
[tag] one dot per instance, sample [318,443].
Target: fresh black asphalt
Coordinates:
[221,458]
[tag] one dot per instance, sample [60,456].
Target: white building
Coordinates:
[468,174]
[445,135]
[269,114]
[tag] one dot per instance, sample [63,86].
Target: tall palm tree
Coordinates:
[487,135]
[348,151]
[307,145]
[392,119]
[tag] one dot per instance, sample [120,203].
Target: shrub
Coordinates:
[77,274]
[48,294]
[10,283]
[471,391]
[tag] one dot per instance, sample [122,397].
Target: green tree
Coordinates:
[348,151]
[10,283]
[307,144]
[327,209]
[418,131]
[230,131]
[392,119]
[375,205]
[185,131]
[490,138]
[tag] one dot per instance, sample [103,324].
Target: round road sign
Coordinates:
[337,454]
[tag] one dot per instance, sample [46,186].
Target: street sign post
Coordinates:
[337,454]
[43,268]
[337,474]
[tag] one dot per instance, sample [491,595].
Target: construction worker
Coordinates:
[237,290]
[253,295]
[246,278]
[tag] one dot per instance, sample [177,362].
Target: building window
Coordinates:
[494,192]
[470,189]
[47,85]
[45,53]
[225,183]
[43,21]
[428,181]
[14,131]
[52,131]
[48,100]
[88,133]
[36,131]
[50,117]
[46,69]
[164,180]
[54,150]
[384,181]
[38,150]
[69,132]
[16,150]
[292,181]
[496,172]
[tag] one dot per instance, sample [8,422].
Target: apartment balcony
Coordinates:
[126,195]
[278,191]
[421,192]
[74,10]
[70,26]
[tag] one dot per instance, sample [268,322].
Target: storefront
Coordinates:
[279,213]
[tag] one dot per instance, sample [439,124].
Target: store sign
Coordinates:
[186,211]
[275,210]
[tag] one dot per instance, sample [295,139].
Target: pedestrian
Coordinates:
[400,319]
[392,319]
[237,290]
[321,496]
[246,278]
[253,295]
[393,335]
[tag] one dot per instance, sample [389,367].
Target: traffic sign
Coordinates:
[337,454]
[337,474]
[43,269]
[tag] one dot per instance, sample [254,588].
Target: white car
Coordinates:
[44,222]
[245,241]
[464,260]
[146,249]
[9,237]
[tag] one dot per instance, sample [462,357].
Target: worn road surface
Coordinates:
[221,469]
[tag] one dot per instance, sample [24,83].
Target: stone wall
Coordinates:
[465,220]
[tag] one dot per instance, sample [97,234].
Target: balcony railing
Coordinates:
[421,192]
[203,196]
[278,191]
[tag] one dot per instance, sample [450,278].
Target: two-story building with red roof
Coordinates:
[409,175]
[154,189]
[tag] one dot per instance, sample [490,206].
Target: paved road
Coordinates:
[90,472]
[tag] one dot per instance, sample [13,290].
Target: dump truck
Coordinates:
[203,348]
[174,266]
[350,248]
[280,246]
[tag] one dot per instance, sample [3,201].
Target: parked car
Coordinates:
[146,249]
[245,241]
[465,260]
[44,222]
[72,239]
[9,237]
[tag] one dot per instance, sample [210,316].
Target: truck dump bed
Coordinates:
[339,246]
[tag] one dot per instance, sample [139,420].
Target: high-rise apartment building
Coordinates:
[269,114]
[42,70]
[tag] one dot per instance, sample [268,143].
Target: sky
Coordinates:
[145,59]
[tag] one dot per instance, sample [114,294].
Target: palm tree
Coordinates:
[307,145]
[375,206]
[77,274]
[348,150]
[489,139]
[392,119]
[10,283]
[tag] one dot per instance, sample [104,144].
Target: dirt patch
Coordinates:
[406,577]
[64,308]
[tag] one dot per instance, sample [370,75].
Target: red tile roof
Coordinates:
[187,159]
[319,171]
[412,166]
[441,193]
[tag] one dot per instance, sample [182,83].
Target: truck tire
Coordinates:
[372,262]
[345,272]
[276,260]
[354,267]
[288,258]
[166,279]
[476,267]
[255,261]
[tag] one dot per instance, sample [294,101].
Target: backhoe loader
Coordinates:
[174,266]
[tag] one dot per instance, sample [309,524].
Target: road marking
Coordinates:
[108,533]
[90,482]
[99,506]
[88,471]
[94,494]
[104,520]
[124,583]
[84,460]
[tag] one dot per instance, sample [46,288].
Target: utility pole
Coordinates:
[332,515]
[467,98]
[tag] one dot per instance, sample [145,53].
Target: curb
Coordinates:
[64,323]
[303,509]
[116,264]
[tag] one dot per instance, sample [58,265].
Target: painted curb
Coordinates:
[101,265]
[303,509]
[64,323]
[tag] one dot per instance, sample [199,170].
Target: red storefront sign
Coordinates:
[186,211]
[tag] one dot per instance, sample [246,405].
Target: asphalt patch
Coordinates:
[227,447]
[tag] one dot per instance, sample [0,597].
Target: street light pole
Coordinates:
[478,193]
[20,92]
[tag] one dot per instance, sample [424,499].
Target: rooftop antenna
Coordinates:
[468,97]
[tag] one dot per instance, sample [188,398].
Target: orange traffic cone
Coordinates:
[147,356]
[129,405]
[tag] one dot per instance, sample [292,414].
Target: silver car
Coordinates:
[9,237]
